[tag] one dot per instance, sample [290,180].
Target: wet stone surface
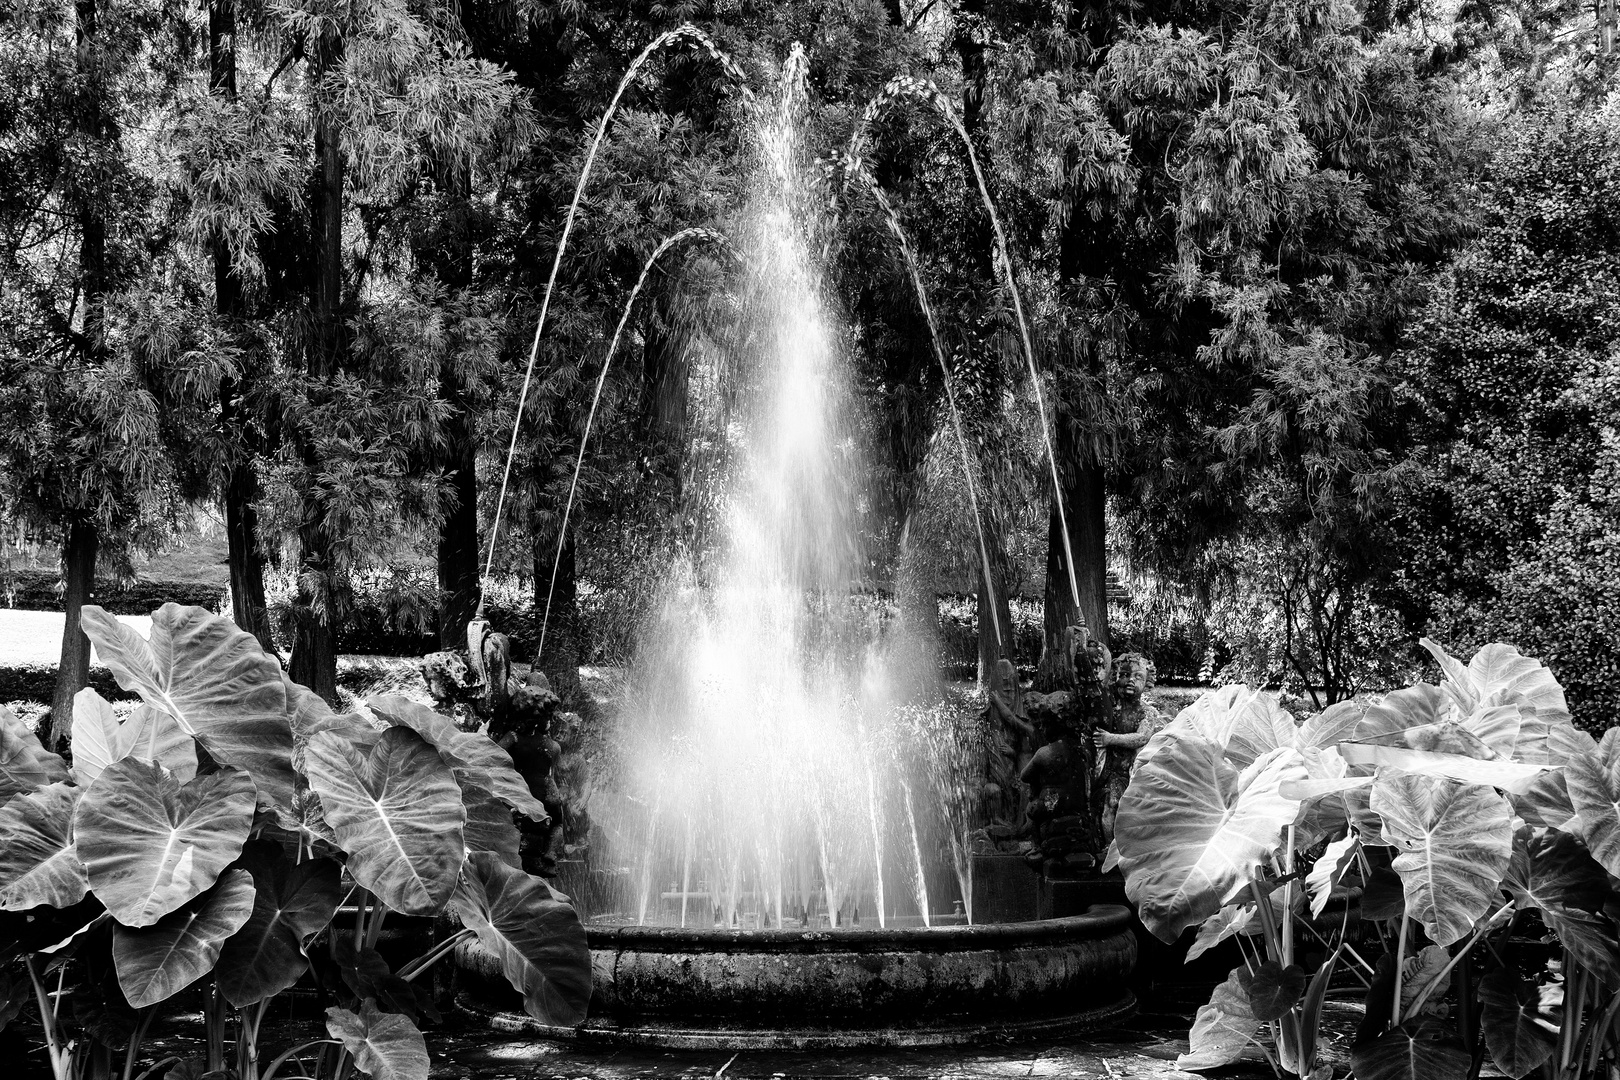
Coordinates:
[1144,1049]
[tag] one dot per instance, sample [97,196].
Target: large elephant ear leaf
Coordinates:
[1593,781]
[99,739]
[310,716]
[37,861]
[218,684]
[1517,1034]
[472,757]
[489,825]
[1415,706]
[1191,829]
[1454,841]
[1260,726]
[1500,674]
[1553,873]
[159,961]
[1242,722]
[1332,725]
[385,1046]
[25,764]
[539,940]
[150,843]
[1422,1049]
[1222,1028]
[396,811]
[292,902]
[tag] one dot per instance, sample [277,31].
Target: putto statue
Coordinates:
[520,714]
[1091,728]
[1010,741]
[1131,723]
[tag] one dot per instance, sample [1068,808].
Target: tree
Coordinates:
[1510,385]
[81,433]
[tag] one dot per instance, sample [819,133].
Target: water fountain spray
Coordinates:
[684,32]
[675,239]
[903,242]
[903,86]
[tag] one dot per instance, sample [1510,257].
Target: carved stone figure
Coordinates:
[521,714]
[1132,722]
[1058,775]
[1077,778]
[1009,739]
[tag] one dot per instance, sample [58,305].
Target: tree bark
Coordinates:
[458,532]
[80,537]
[459,550]
[314,654]
[995,630]
[558,657]
[1085,500]
[244,558]
[79,544]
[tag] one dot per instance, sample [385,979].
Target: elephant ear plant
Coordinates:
[215,834]
[1456,824]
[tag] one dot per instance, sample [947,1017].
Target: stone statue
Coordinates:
[1094,726]
[1058,775]
[1009,742]
[521,715]
[1132,722]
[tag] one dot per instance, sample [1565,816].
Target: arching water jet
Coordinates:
[684,32]
[708,235]
[903,86]
[909,255]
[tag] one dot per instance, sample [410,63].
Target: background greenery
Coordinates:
[1323,294]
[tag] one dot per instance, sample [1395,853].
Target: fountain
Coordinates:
[779,854]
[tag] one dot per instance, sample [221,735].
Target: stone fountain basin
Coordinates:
[717,988]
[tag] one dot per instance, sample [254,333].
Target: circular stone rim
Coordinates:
[1103,920]
[669,1037]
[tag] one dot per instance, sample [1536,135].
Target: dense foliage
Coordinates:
[1460,814]
[1513,386]
[234,828]
[1281,262]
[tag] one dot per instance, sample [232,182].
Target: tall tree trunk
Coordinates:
[314,655]
[560,654]
[458,532]
[993,607]
[243,557]
[992,593]
[80,537]
[1084,500]
[79,544]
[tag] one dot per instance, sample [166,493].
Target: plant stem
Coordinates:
[374,929]
[135,1040]
[360,920]
[1574,990]
[438,952]
[214,1027]
[1288,903]
[47,1020]
[1473,939]
[153,1068]
[1268,922]
[270,1071]
[1400,962]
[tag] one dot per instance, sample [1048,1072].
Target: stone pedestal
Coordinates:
[1058,898]
[1005,889]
